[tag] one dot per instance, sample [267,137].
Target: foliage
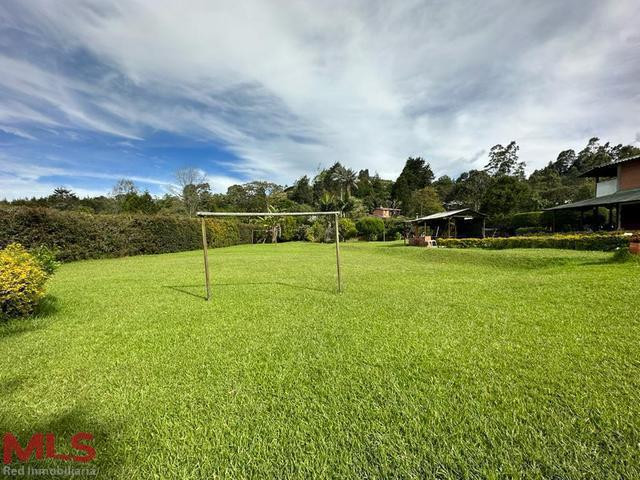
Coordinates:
[623,255]
[79,235]
[599,242]
[415,175]
[425,202]
[526,219]
[21,282]
[394,228]
[47,258]
[347,228]
[529,230]
[370,228]
[503,161]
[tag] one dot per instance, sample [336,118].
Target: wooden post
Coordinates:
[338,254]
[619,216]
[205,248]
[484,227]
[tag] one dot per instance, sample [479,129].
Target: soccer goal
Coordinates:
[205,215]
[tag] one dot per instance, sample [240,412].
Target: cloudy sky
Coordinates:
[92,91]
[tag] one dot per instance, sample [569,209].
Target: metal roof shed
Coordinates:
[462,223]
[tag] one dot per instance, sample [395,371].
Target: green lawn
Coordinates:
[446,363]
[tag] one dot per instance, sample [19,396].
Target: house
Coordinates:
[384,212]
[617,190]
[461,223]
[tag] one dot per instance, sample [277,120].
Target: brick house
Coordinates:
[617,190]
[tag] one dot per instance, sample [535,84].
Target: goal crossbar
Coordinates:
[205,246]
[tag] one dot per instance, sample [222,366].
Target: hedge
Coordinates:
[603,242]
[78,235]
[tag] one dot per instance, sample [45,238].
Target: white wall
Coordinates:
[606,187]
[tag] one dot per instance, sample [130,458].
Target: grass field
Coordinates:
[447,363]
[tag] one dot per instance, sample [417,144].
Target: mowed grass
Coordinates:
[432,363]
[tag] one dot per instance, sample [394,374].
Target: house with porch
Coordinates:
[617,190]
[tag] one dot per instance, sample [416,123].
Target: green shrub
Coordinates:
[394,228]
[623,255]
[370,228]
[529,230]
[526,219]
[347,228]
[21,282]
[77,235]
[602,242]
[46,257]
[318,231]
[222,233]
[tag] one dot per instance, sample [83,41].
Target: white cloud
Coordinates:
[287,86]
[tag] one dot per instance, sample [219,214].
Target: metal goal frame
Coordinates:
[204,215]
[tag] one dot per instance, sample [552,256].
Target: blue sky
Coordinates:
[94,91]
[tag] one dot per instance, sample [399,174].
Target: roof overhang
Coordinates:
[462,213]
[623,196]
[608,170]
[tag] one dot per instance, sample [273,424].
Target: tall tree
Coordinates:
[191,183]
[504,161]
[470,188]
[425,202]
[415,175]
[346,179]
[301,192]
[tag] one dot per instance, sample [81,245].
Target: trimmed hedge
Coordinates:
[77,235]
[602,242]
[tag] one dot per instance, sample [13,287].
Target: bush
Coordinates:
[529,230]
[78,235]
[347,228]
[370,228]
[394,228]
[623,255]
[21,282]
[602,242]
[46,258]
[526,219]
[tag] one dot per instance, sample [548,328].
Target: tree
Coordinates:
[346,179]
[504,161]
[425,202]
[470,188]
[301,192]
[444,186]
[370,227]
[505,195]
[63,199]
[124,186]
[191,183]
[415,175]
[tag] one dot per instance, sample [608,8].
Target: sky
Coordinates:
[95,91]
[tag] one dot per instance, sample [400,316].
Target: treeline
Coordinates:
[501,189]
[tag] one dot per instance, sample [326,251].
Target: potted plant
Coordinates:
[634,244]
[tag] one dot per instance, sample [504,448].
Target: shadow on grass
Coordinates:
[64,425]
[186,289]
[17,326]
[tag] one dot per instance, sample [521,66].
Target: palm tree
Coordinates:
[347,179]
[327,202]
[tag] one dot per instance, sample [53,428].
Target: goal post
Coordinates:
[205,246]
